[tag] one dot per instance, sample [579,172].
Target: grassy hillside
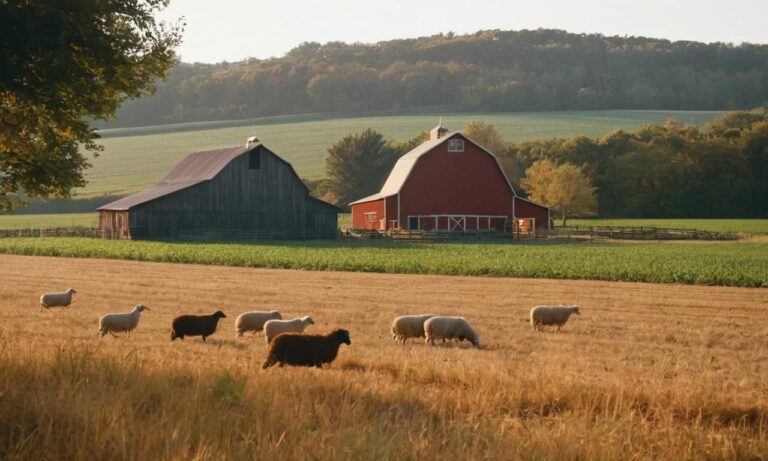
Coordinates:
[38,221]
[137,157]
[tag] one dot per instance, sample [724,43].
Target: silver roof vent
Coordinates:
[251,141]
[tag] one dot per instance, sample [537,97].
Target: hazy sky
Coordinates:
[233,30]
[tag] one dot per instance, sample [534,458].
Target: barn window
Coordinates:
[456,145]
[370,216]
[254,159]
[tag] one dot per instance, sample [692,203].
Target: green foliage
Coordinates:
[357,166]
[732,264]
[671,169]
[563,187]
[61,65]
[492,70]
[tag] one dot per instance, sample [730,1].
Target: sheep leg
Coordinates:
[203,338]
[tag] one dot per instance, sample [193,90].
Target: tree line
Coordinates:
[659,170]
[490,70]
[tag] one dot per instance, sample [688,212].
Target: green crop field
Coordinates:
[739,226]
[135,158]
[730,264]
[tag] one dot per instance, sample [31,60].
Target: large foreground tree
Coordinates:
[63,64]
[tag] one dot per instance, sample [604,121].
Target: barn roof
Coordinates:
[405,164]
[193,169]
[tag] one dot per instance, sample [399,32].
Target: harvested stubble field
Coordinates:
[647,371]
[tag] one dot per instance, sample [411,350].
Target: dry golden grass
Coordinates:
[647,371]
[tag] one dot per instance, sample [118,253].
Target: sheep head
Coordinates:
[141,307]
[71,290]
[342,336]
[308,320]
[219,315]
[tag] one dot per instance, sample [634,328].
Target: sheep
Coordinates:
[195,325]
[552,315]
[123,321]
[273,328]
[306,350]
[253,321]
[450,328]
[409,326]
[62,299]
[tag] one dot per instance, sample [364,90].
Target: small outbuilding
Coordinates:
[235,193]
[449,183]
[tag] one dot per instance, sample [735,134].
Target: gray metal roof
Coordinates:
[193,169]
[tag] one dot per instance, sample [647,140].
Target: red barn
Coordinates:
[448,183]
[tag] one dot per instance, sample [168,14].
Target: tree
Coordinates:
[63,64]
[486,135]
[564,187]
[357,165]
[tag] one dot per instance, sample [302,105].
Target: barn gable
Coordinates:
[234,193]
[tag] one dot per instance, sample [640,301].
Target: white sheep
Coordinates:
[552,315]
[273,328]
[450,328]
[409,326]
[62,299]
[122,321]
[253,321]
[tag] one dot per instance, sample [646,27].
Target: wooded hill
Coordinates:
[486,71]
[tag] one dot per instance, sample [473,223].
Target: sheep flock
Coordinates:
[289,345]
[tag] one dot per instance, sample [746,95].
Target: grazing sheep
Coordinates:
[123,321]
[450,328]
[306,350]
[273,328]
[253,321]
[195,325]
[409,326]
[62,299]
[552,315]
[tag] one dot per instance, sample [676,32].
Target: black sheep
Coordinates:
[195,325]
[306,350]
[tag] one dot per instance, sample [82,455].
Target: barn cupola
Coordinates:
[251,141]
[438,132]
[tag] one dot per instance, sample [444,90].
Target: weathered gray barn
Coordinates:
[225,194]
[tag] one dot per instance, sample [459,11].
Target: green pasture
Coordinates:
[743,264]
[738,226]
[39,221]
[135,158]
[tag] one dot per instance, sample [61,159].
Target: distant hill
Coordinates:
[489,71]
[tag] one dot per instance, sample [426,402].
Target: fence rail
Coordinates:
[637,233]
[426,236]
[72,231]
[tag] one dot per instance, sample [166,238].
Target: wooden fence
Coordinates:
[74,231]
[636,233]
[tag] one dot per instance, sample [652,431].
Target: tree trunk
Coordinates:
[565,216]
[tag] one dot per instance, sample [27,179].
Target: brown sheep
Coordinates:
[195,325]
[306,350]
